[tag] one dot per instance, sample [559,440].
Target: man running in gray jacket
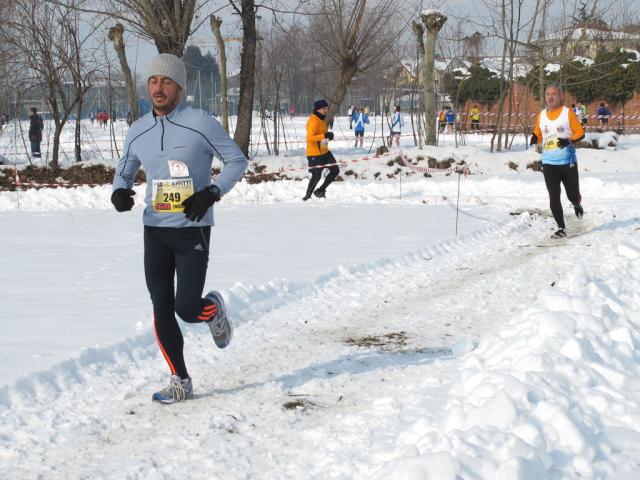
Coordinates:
[175,146]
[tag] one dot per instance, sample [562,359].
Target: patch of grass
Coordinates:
[299,404]
[536,166]
[388,341]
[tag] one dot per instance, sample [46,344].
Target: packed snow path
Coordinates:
[384,365]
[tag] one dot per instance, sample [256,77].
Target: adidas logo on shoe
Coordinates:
[208,310]
[220,326]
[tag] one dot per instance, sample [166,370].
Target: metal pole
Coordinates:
[16,119]
[458,203]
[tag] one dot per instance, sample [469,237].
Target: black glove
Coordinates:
[328,135]
[197,204]
[563,142]
[534,139]
[122,199]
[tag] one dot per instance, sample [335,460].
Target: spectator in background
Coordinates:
[92,117]
[129,118]
[397,122]
[603,115]
[582,115]
[292,111]
[451,119]
[475,118]
[442,119]
[358,120]
[36,126]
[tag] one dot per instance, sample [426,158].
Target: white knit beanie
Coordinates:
[168,65]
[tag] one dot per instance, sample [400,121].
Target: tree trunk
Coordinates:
[215,23]
[433,22]
[77,142]
[55,115]
[503,87]
[276,113]
[55,165]
[347,72]
[171,23]
[541,66]
[242,134]
[116,36]
[418,29]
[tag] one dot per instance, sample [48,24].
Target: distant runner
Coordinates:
[558,128]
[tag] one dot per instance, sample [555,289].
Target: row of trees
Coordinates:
[54,48]
[613,77]
[329,48]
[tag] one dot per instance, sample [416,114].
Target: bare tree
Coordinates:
[116,35]
[247,12]
[47,43]
[167,23]
[433,21]
[418,30]
[215,24]
[354,36]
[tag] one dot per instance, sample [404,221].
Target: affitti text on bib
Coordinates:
[168,195]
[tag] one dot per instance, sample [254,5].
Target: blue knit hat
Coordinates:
[318,104]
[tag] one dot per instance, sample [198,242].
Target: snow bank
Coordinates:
[604,140]
[551,395]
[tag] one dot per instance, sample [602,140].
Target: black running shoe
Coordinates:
[560,233]
[578,209]
[320,193]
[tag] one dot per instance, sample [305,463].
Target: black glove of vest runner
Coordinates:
[563,142]
[328,135]
[197,204]
[534,139]
[122,199]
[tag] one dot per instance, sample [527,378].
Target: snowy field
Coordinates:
[371,342]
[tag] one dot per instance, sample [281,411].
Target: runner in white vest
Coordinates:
[397,122]
[557,129]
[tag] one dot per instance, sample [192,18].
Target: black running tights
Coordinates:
[182,253]
[567,175]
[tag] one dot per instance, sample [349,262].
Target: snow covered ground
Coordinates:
[370,343]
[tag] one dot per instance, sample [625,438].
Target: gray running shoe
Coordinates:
[177,391]
[220,326]
[560,233]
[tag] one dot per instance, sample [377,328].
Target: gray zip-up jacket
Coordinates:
[176,152]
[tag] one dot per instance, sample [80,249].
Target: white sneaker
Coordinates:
[177,391]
